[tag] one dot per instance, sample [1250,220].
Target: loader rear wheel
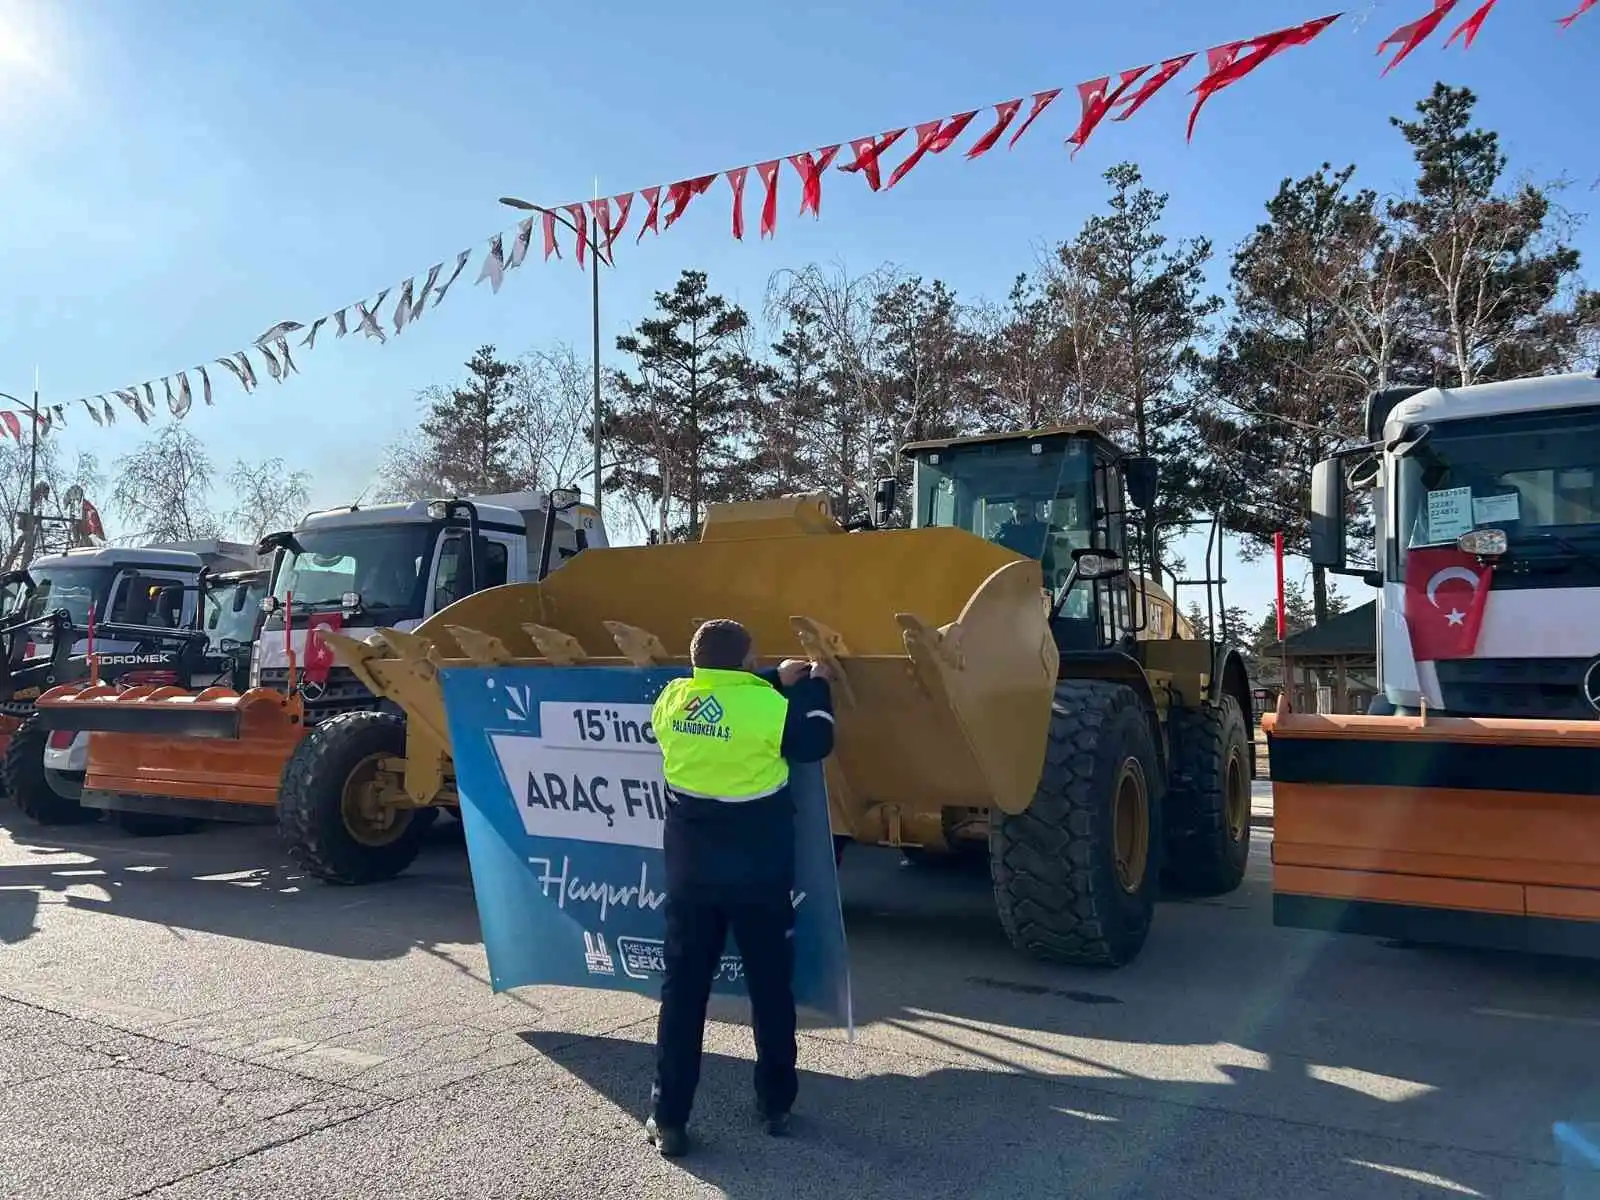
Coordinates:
[1075,874]
[28,784]
[327,806]
[1208,806]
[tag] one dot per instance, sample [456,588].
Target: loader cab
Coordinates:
[1055,495]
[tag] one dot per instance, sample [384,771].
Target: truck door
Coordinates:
[452,567]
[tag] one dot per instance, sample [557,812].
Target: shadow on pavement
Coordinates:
[238,882]
[967,1133]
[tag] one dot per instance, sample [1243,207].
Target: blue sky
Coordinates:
[178,176]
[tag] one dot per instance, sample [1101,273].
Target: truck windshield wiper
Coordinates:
[1562,545]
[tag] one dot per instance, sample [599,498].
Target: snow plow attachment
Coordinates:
[940,642]
[1468,831]
[215,745]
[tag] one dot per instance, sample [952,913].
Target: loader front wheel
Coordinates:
[28,783]
[1208,806]
[328,805]
[1076,873]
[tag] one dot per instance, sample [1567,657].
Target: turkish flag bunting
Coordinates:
[736,178]
[551,246]
[933,137]
[652,198]
[1004,113]
[1408,37]
[1226,65]
[13,425]
[1097,102]
[602,217]
[1566,21]
[867,152]
[580,225]
[624,205]
[319,659]
[679,194]
[1041,101]
[1446,590]
[1471,25]
[769,205]
[1153,85]
[810,168]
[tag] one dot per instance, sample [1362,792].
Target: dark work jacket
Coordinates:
[726,852]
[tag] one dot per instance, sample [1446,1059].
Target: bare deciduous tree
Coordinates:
[163,488]
[267,496]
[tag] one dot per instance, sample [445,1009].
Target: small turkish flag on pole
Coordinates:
[1446,590]
[319,659]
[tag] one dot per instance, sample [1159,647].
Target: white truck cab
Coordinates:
[395,565]
[1509,475]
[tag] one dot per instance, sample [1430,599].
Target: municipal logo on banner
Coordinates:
[564,806]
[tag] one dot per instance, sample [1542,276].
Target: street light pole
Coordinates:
[589,233]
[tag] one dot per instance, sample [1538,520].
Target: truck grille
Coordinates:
[341,694]
[1548,688]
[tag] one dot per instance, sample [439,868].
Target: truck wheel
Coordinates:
[326,812]
[1208,805]
[1076,873]
[28,784]
[143,824]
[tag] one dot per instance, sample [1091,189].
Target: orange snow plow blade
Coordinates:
[215,745]
[1470,831]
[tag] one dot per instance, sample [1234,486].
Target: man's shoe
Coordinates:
[775,1124]
[670,1141]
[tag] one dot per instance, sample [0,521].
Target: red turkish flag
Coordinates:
[1566,21]
[319,659]
[1446,590]
[91,521]
[1471,26]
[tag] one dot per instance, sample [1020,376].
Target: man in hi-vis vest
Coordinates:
[727,735]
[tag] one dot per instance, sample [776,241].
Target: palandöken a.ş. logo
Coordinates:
[702,716]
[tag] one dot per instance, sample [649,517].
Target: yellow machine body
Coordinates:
[940,641]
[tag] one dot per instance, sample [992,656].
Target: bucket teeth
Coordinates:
[480,647]
[561,649]
[408,645]
[639,646]
[824,645]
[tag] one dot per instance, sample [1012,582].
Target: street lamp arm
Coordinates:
[585,234]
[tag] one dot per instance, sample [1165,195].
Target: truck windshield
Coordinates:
[223,621]
[1536,476]
[71,588]
[385,564]
[1040,505]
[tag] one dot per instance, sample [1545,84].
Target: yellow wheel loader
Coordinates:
[999,679]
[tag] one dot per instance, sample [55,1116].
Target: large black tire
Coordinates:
[1060,890]
[28,786]
[1208,803]
[144,824]
[311,801]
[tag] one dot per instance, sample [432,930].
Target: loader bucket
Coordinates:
[213,745]
[945,660]
[1473,831]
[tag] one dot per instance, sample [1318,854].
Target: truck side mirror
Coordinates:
[883,501]
[1327,515]
[1140,475]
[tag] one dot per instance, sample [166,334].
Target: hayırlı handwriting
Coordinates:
[607,895]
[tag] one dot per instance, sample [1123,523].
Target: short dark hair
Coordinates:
[720,645]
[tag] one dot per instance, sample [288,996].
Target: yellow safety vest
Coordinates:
[721,735]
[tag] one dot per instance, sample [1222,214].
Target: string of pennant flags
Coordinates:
[597,224]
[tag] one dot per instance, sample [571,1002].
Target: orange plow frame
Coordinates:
[216,745]
[1471,831]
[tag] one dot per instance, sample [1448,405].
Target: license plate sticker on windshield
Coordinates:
[1449,514]
[1489,510]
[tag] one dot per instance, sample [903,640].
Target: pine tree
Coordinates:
[1286,387]
[1486,272]
[681,418]
[469,430]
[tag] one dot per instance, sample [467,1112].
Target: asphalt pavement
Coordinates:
[187,1017]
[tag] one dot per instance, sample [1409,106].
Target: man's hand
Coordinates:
[792,670]
[821,670]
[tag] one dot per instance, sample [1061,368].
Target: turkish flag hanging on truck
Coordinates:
[319,659]
[1446,590]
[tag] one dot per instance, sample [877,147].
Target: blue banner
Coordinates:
[563,802]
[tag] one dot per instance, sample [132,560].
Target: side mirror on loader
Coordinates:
[883,502]
[1327,515]
[1091,563]
[1140,475]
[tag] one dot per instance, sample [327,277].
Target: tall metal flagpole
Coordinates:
[594,271]
[31,533]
